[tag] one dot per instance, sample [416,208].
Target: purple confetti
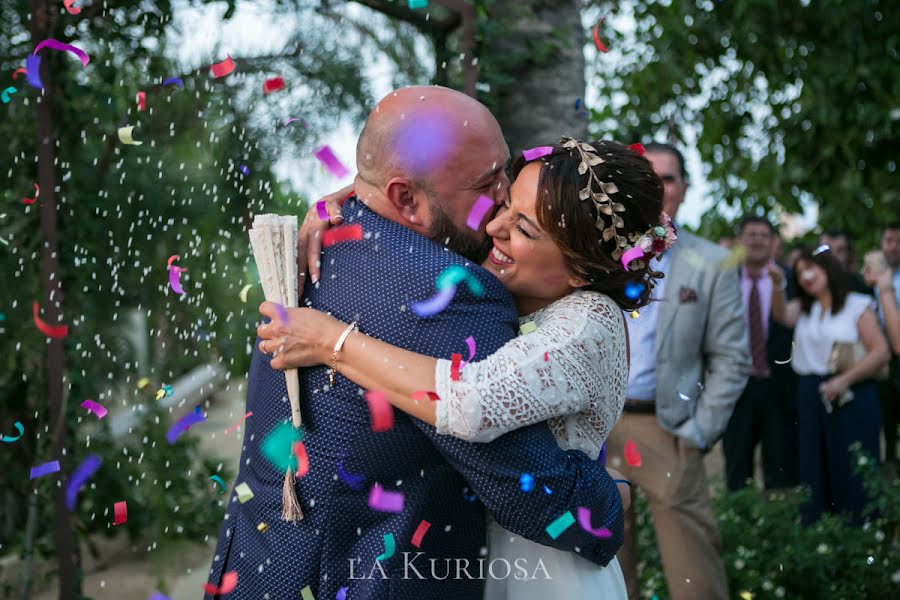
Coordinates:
[245,170]
[159,596]
[481,207]
[84,472]
[33,71]
[342,594]
[183,424]
[44,469]
[282,313]
[535,153]
[321,210]
[435,304]
[352,479]
[331,162]
[173,81]
[385,501]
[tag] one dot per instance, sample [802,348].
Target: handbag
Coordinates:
[846,354]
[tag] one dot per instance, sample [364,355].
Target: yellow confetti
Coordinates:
[160,394]
[527,327]
[125,136]
[745,595]
[635,314]
[306,594]
[243,294]
[244,492]
[143,382]
[263,527]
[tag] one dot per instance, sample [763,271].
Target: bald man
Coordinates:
[425,156]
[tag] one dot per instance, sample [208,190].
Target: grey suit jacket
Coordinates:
[702,350]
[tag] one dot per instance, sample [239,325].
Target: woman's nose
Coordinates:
[498,227]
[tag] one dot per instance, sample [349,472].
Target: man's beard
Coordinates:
[465,243]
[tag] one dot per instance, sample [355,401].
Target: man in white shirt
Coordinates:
[689,363]
[889,391]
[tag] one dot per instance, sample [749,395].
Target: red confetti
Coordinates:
[22,70]
[54,331]
[632,456]
[421,530]
[72,10]
[455,359]
[600,45]
[142,101]
[229,582]
[223,68]
[345,233]
[120,510]
[546,357]
[302,459]
[381,410]
[37,192]
[273,85]
[639,148]
[420,395]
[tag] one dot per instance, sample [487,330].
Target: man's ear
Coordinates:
[409,202]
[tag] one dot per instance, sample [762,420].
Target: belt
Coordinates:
[640,407]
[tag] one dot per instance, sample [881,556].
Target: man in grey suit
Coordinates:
[689,364]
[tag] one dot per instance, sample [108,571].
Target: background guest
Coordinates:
[888,296]
[839,244]
[824,312]
[765,413]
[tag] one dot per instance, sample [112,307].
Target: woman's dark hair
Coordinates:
[572,223]
[838,280]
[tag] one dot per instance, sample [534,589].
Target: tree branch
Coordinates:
[417,19]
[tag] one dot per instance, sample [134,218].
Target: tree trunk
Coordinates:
[542,51]
[43,19]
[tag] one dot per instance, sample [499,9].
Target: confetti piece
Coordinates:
[341,594]
[420,395]
[526,482]
[556,528]
[141,101]
[176,81]
[159,596]
[453,275]
[22,70]
[535,153]
[344,233]
[600,45]
[469,495]
[182,425]
[548,491]
[84,472]
[632,456]
[546,357]
[95,408]
[72,10]
[602,458]
[745,595]
[299,451]
[175,280]
[57,45]
[527,327]
[455,359]
[33,72]
[435,304]
[278,446]
[262,527]
[821,249]
[243,294]
[223,68]
[125,136]
[120,512]
[241,420]
[380,410]
[331,162]
[470,342]
[389,547]
[44,469]
[322,210]
[633,289]
[243,491]
[245,170]
[385,501]
[418,4]
[584,519]
[8,438]
[143,382]
[630,255]
[352,479]
[221,483]
[478,211]
[56,332]
[784,362]
[634,314]
[282,313]
[37,194]
[639,148]
[229,582]
[306,594]
[290,120]
[420,532]
[273,85]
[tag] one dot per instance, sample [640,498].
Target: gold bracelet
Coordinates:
[337,348]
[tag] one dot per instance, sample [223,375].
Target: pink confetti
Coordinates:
[632,455]
[141,101]
[584,519]
[223,68]
[95,408]
[229,582]
[630,255]
[72,10]
[331,162]
[380,410]
[421,530]
[37,194]
[299,451]
[57,45]
[470,342]
[479,210]
[384,501]
[242,419]
[120,510]
[535,153]
[175,280]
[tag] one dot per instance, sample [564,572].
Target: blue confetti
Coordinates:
[633,289]
[526,481]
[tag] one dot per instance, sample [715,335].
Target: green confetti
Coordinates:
[390,546]
[306,593]
[278,446]
[555,529]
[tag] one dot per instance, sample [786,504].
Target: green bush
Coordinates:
[769,554]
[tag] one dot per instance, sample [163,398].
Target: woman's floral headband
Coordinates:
[652,242]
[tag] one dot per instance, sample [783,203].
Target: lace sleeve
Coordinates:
[556,370]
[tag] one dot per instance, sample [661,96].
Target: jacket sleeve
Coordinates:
[493,471]
[726,357]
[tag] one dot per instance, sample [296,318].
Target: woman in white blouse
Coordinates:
[835,410]
[572,246]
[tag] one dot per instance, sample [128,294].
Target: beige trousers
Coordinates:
[673,479]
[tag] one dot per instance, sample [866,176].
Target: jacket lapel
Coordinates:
[675,278]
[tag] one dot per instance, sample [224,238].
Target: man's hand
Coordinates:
[309,239]
[304,339]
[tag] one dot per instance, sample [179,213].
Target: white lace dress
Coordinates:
[569,368]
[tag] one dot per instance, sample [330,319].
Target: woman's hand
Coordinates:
[309,239]
[886,283]
[624,488]
[305,340]
[832,389]
[777,275]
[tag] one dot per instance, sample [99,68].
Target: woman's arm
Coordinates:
[877,355]
[783,311]
[308,338]
[888,300]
